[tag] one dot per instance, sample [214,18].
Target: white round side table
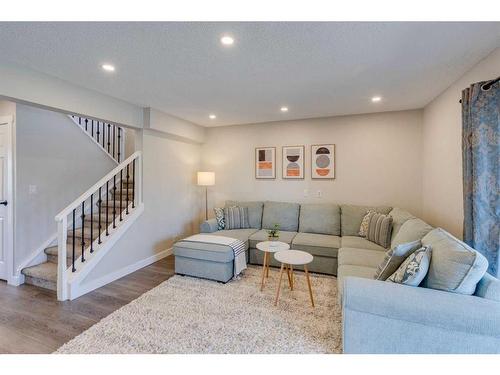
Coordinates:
[289,259]
[269,247]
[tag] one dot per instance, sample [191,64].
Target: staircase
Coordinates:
[90,226]
[44,275]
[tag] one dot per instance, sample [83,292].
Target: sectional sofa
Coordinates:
[378,316]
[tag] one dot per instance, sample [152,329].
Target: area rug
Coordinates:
[189,315]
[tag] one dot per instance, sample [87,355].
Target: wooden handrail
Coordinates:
[77,202]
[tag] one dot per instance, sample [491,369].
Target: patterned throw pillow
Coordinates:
[413,269]
[394,257]
[363,228]
[219,216]
[236,217]
[379,229]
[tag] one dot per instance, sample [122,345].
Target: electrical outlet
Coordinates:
[306,193]
[32,189]
[319,194]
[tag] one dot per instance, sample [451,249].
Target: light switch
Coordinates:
[32,189]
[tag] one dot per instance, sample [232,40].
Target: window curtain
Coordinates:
[481,176]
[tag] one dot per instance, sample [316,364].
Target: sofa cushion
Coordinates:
[359,243]
[282,213]
[317,244]
[488,287]
[355,271]
[394,257]
[320,218]
[262,235]
[240,234]
[352,215]
[360,257]
[399,217]
[379,229]
[411,230]
[455,266]
[413,270]
[254,211]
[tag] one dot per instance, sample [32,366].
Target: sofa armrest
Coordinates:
[208,226]
[383,317]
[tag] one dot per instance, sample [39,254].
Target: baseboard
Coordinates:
[16,280]
[118,274]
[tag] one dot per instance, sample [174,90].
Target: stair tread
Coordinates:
[45,271]
[53,250]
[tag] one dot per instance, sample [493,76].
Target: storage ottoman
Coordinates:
[204,260]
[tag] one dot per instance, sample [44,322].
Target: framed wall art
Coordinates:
[265,162]
[293,162]
[323,162]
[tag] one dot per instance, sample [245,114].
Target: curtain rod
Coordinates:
[487,85]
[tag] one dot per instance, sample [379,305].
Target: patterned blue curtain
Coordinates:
[481,175]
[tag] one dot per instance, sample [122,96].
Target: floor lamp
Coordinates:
[206,179]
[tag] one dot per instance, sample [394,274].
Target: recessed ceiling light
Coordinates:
[227,40]
[284,109]
[376,99]
[212,116]
[108,67]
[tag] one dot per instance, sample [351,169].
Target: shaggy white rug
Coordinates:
[189,315]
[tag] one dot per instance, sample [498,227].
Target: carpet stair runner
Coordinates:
[44,275]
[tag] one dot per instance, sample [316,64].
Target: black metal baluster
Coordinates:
[91,223]
[133,183]
[83,232]
[92,133]
[79,121]
[86,124]
[121,190]
[119,143]
[126,191]
[99,205]
[114,201]
[114,136]
[98,131]
[107,207]
[73,269]
[103,133]
[109,131]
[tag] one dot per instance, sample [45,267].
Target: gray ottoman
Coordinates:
[205,260]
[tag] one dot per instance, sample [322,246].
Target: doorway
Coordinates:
[6,193]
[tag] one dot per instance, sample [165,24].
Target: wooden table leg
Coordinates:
[263,272]
[309,285]
[279,285]
[287,266]
[291,276]
[267,266]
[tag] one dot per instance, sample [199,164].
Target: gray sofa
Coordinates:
[378,317]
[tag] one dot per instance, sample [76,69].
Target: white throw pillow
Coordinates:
[413,270]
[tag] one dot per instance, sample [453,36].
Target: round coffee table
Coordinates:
[292,258]
[269,247]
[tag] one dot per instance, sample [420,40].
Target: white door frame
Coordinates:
[9,195]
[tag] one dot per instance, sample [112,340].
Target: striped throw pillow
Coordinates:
[236,217]
[379,229]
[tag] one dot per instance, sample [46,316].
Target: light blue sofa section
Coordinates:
[382,317]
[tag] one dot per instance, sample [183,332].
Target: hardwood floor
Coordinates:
[33,321]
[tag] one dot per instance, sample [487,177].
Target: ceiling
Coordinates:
[315,69]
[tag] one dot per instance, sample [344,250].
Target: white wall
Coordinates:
[163,122]
[61,161]
[442,193]
[7,108]
[172,203]
[378,159]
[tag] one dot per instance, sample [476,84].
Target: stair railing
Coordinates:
[109,137]
[103,194]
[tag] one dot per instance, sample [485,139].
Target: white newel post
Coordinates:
[62,282]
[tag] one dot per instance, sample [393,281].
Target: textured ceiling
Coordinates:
[316,69]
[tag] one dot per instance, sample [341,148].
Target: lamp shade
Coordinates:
[206,178]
